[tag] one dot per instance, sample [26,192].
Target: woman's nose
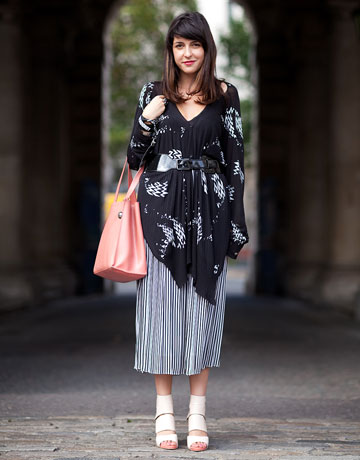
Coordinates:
[187,51]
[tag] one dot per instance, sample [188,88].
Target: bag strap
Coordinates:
[119,183]
[132,183]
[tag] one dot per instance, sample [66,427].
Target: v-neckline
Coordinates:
[193,118]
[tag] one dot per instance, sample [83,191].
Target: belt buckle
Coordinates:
[182,164]
[206,161]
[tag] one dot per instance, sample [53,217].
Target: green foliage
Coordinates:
[138,37]
[237,47]
[246,106]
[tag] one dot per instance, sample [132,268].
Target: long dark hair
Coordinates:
[194,26]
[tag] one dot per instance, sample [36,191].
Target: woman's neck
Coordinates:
[186,82]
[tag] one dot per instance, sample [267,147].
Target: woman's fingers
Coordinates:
[155,107]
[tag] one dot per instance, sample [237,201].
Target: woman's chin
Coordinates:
[188,71]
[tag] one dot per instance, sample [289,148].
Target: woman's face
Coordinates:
[188,54]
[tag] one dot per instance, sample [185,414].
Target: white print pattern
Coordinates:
[149,85]
[219,189]
[238,123]
[216,142]
[238,170]
[237,235]
[134,144]
[182,131]
[204,181]
[242,176]
[163,117]
[231,192]
[216,268]
[197,221]
[161,130]
[222,158]
[169,238]
[233,123]
[158,189]
[174,235]
[141,97]
[175,154]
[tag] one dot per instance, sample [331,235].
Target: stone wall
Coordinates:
[308,56]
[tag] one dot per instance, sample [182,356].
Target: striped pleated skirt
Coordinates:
[177,331]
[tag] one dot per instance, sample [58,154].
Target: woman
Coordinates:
[191,200]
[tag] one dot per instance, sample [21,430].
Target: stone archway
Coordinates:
[309,65]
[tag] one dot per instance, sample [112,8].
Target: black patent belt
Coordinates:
[162,162]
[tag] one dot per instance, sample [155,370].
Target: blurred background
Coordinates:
[70,78]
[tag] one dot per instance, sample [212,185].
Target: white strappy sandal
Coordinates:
[196,421]
[165,420]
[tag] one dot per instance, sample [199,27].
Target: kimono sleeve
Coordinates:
[139,142]
[233,148]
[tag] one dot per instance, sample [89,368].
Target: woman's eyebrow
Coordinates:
[192,41]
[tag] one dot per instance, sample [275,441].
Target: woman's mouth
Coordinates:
[189,62]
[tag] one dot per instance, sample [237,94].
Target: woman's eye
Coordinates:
[194,44]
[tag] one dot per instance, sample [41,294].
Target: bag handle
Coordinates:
[131,191]
[132,183]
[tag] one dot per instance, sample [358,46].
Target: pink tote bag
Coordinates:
[121,251]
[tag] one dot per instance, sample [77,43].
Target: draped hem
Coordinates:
[208,295]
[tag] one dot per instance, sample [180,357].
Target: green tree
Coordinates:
[138,37]
[237,44]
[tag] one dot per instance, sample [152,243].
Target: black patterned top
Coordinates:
[192,219]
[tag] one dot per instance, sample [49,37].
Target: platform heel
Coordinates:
[165,420]
[197,421]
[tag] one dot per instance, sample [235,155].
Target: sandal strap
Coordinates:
[163,413]
[164,405]
[196,419]
[191,439]
[165,422]
[195,413]
[197,409]
[197,404]
[196,422]
[166,437]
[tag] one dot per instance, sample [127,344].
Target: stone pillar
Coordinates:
[46,196]
[273,151]
[14,287]
[34,158]
[307,203]
[341,279]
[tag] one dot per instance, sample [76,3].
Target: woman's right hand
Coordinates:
[155,107]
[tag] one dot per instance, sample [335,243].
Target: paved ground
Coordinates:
[288,386]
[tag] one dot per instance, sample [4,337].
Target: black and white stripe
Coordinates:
[177,331]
